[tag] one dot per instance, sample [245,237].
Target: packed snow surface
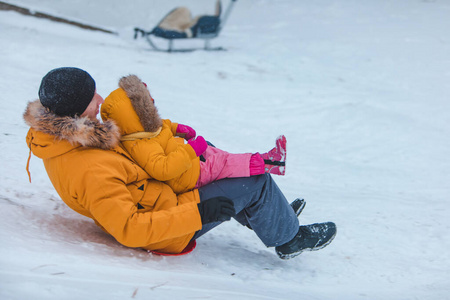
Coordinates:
[361,89]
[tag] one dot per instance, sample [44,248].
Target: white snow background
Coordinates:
[361,89]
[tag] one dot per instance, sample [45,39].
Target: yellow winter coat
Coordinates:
[100,180]
[148,139]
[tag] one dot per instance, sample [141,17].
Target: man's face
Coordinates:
[93,108]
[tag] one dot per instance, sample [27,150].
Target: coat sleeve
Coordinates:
[159,165]
[111,204]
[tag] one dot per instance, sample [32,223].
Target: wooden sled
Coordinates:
[179,25]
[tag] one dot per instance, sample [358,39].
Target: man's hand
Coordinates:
[218,209]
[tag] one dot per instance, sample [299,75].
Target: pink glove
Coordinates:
[186,132]
[199,145]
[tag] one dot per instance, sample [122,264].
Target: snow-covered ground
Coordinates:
[361,89]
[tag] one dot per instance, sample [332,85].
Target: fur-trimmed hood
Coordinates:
[131,107]
[76,131]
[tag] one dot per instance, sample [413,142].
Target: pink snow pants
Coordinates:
[221,164]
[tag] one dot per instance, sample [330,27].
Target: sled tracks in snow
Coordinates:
[28,12]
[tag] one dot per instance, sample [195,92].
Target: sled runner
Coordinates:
[178,24]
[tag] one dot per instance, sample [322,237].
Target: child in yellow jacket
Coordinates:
[158,146]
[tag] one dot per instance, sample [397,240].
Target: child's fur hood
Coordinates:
[81,130]
[142,102]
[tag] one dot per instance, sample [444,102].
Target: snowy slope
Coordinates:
[361,90]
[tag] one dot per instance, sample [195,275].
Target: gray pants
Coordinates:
[259,203]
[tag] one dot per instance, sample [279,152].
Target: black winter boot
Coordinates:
[298,205]
[309,237]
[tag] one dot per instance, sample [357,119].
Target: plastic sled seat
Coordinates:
[178,24]
[188,249]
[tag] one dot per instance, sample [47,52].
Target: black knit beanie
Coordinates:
[67,91]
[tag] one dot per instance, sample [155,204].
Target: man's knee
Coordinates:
[235,187]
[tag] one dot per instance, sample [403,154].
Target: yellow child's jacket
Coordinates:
[151,142]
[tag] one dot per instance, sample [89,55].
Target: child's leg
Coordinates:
[220,164]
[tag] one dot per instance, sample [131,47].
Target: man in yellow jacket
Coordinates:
[98,179]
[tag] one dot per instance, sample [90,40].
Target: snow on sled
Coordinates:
[178,24]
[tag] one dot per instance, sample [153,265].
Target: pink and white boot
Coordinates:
[275,159]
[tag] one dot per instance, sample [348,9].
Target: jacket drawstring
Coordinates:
[28,162]
[140,135]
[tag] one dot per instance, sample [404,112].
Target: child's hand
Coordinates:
[199,145]
[186,132]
